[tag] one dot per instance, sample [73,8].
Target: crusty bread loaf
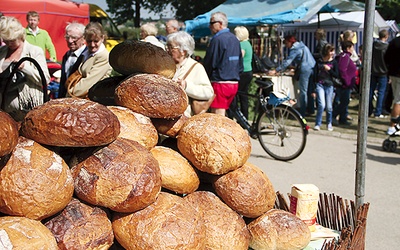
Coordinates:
[35,182]
[131,57]
[81,226]
[71,122]
[103,91]
[176,172]
[123,176]
[25,233]
[8,134]
[225,229]
[169,223]
[169,127]
[152,95]
[135,126]
[213,143]
[280,230]
[247,190]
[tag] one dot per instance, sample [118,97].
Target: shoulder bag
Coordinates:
[72,80]
[337,81]
[198,106]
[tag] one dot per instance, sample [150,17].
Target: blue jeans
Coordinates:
[303,87]
[380,83]
[341,104]
[324,100]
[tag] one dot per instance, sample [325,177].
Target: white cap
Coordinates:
[57,74]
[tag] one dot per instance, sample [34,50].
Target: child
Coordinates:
[54,85]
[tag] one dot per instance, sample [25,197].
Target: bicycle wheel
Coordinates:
[282,133]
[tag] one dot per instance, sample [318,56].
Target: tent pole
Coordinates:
[364,101]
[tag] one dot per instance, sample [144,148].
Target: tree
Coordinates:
[129,10]
[389,9]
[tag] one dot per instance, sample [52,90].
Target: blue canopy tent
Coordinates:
[263,12]
[256,13]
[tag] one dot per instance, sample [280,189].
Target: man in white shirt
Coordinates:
[72,59]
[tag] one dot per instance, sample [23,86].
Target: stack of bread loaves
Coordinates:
[136,174]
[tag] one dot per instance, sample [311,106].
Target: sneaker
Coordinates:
[380,116]
[330,127]
[317,128]
[392,131]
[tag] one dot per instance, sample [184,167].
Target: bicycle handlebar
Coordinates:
[264,84]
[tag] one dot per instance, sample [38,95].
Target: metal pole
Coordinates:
[362,134]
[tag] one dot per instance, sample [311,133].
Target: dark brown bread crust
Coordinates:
[8,134]
[169,127]
[132,57]
[81,226]
[71,122]
[247,190]
[169,223]
[123,176]
[152,95]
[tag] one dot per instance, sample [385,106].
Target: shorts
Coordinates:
[396,89]
[224,94]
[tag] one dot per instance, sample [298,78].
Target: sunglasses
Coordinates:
[211,23]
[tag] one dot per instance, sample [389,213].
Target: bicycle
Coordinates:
[280,129]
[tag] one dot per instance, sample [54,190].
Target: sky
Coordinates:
[103,4]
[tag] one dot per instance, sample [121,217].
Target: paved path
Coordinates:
[329,162]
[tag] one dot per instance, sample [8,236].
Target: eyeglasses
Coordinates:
[171,48]
[73,38]
[211,23]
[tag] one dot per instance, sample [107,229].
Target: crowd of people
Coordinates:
[225,69]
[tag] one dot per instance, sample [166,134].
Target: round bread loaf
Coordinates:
[103,91]
[247,190]
[176,172]
[169,223]
[131,57]
[225,229]
[152,95]
[280,230]
[135,126]
[80,226]
[123,176]
[169,127]
[8,134]
[213,143]
[71,122]
[25,233]
[35,182]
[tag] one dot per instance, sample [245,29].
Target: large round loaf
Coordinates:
[35,182]
[131,57]
[123,176]
[169,223]
[25,233]
[213,143]
[71,122]
[247,190]
[176,172]
[225,229]
[152,95]
[80,226]
[8,134]
[103,91]
[135,126]
[279,230]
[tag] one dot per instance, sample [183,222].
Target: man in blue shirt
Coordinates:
[223,63]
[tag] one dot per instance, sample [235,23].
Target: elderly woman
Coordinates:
[94,67]
[148,32]
[190,74]
[21,97]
